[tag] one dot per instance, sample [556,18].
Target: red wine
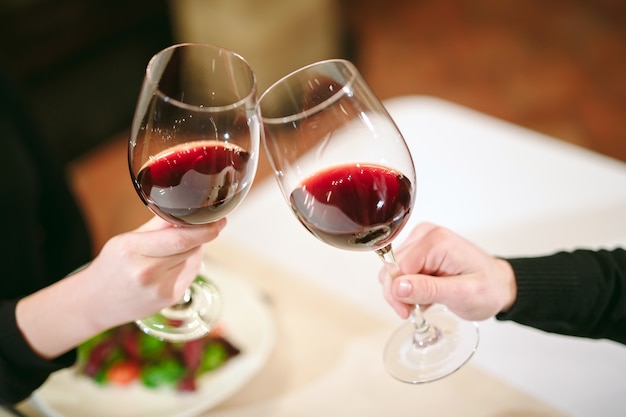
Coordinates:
[355,207]
[194,183]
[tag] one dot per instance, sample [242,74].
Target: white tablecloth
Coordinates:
[511,190]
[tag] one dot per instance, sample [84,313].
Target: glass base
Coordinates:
[192,318]
[408,362]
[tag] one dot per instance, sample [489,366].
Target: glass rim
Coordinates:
[345,89]
[165,97]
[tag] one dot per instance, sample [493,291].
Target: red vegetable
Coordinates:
[125,354]
[98,356]
[123,373]
[192,354]
[187,383]
[130,342]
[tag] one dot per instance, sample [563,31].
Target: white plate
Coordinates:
[249,325]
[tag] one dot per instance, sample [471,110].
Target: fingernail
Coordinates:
[404,288]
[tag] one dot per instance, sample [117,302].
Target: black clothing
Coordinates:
[21,369]
[43,238]
[580,293]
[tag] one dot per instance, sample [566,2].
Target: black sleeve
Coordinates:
[43,239]
[21,369]
[579,293]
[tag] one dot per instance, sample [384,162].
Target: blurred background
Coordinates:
[557,67]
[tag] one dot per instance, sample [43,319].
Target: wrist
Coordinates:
[508,284]
[57,318]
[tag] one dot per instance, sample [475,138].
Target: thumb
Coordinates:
[416,289]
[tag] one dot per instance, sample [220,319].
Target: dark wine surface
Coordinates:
[354,207]
[196,182]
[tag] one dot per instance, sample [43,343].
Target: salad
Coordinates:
[125,354]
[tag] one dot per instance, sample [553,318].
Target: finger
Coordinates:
[416,289]
[167,278]
[153,269]
[401,308]
[175,240]
[175,278]
[454,292]
[155,223]
[407,247]
[417,234]
[436,252]
[190,270]
[417,250]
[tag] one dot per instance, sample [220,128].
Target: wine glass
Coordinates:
[192,155]
[347,174]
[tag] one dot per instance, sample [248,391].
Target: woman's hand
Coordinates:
[441,267]
[134,275]
[138,273]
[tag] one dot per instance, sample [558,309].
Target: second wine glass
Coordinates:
[193,155]
[347,174]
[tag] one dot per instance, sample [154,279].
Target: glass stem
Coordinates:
[424,334]
[184,301]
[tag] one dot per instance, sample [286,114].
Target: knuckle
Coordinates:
[428,291]
[440,233]
[145,276]
[179,243]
